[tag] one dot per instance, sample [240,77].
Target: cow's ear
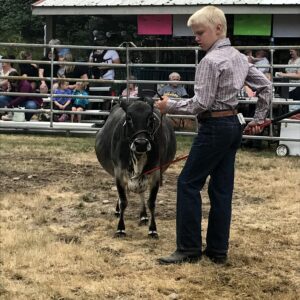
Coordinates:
[124,104]
[149,100]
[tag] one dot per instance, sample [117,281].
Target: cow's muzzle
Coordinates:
[140,145]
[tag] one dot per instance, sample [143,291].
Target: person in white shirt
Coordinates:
[293,74]
[261,61]
[103,56]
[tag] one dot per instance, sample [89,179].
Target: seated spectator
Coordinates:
[107,57]
[259,60]
[79,104]
[7,67]
[60,51]
[174,90]
[294,75]
[249,54]
[133,89]
[21,86]
[4,84]
[74,71]
[45,71]
[103,56]
[28,69]
[62,103]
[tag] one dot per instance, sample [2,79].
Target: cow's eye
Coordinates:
[129,121]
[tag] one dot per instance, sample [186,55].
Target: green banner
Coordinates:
[252,25]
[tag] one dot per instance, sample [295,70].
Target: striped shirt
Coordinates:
[219,77]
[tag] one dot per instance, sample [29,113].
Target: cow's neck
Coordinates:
[138,163]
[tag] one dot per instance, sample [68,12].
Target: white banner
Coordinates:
[179,26]
[286,26]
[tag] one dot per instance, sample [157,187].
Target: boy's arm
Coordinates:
[258,82]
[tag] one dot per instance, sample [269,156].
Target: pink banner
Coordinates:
[155,24]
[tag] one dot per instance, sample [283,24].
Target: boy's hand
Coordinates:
[162,104]
[254,127]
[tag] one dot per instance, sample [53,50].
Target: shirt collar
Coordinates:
[223,42]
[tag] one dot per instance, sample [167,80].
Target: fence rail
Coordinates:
[128,66]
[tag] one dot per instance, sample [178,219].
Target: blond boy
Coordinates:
[219,77]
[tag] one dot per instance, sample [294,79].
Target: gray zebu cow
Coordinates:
[130,144]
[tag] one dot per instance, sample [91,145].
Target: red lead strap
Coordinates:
[165,165]
[275,120]
[262,126]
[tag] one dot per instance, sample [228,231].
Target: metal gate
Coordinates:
[149,73]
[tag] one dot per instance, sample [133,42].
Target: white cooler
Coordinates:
[289,130]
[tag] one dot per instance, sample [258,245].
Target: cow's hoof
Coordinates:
[153,234]
[120,234]
[117,213]
[143,221]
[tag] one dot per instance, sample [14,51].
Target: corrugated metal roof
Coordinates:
[175,7]
[99,3]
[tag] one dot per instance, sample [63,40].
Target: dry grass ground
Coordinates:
[57,226]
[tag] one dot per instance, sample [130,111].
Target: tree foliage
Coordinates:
[17,22]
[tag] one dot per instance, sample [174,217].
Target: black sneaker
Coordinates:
[179,257]
[217,258]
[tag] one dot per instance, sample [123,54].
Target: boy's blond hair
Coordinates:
[209,16]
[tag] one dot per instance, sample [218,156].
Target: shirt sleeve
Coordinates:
[258,82]
[55,92]
[114,55]
[206,84]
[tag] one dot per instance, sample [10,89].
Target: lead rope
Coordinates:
[160,142]
[160,152]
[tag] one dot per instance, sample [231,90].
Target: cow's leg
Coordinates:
[151,204]
[123,204]
[143,213]
[117,211]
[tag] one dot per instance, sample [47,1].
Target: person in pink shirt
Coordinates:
[133,89]
[29,102]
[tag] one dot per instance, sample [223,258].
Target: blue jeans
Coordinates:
[29,104]
[4,100]
[212,153]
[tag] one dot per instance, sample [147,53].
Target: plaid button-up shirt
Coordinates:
[220,75]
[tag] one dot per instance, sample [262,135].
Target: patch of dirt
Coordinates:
[88,180]
[58,225]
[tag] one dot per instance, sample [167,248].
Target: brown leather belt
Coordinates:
[217,114]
